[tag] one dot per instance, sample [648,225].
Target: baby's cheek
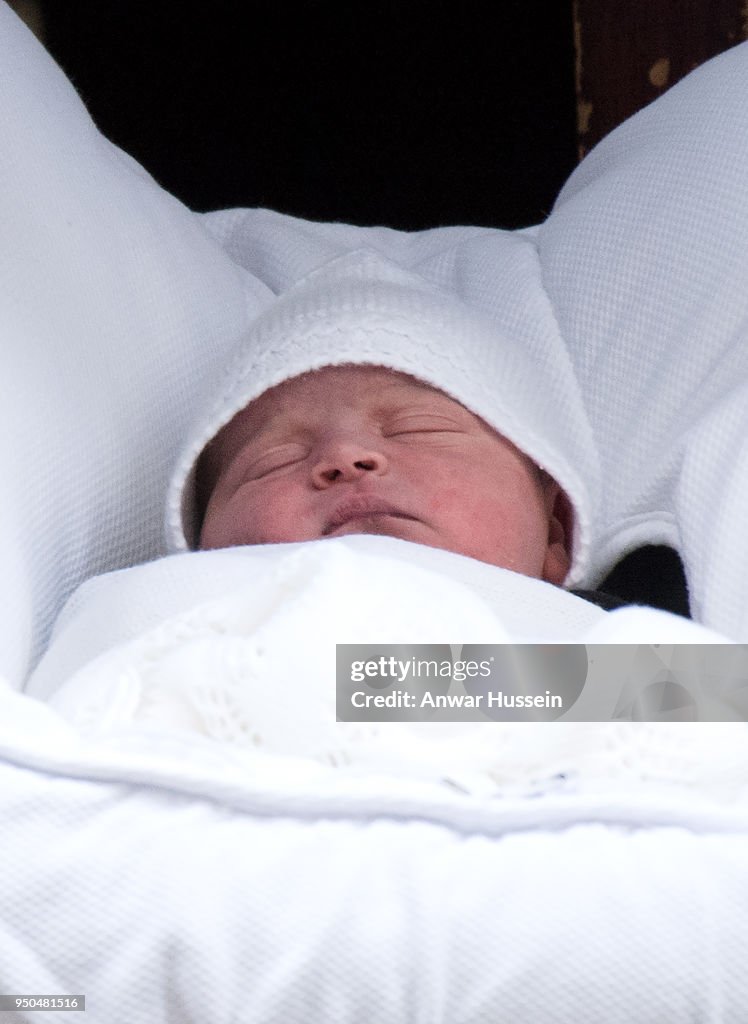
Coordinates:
[446,498]
[212,531]
[461,516]
[230,524]
[279,519]
[259,525]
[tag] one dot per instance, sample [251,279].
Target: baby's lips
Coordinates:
[362,506]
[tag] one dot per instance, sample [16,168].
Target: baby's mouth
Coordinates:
[361,507]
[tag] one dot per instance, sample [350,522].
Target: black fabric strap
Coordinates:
[600,598]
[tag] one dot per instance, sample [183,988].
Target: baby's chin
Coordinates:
[419,533]
[412,530]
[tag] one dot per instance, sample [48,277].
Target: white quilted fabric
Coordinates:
[645,260]
[116,307]
[175,880]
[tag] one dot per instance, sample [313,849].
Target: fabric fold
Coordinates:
[645,259]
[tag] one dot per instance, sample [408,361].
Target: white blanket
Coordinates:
[239,645]
[304,869]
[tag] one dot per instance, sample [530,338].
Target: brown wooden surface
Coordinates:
[630,51]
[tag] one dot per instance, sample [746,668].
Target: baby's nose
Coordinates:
[347,461]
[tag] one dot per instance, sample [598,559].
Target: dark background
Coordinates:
[410,113]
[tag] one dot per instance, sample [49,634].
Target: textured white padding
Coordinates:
[116,307]
[173,879]
[645,260]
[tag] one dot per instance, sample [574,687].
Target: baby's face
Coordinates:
[361,449]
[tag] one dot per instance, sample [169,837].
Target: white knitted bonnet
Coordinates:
[364,309]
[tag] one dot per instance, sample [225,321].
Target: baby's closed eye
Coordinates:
[422,424]
[273,460]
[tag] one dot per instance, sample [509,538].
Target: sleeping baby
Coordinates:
[380,464]
[391,427]
[363,449]
[366,400]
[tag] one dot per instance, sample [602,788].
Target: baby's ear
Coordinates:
[560,532]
